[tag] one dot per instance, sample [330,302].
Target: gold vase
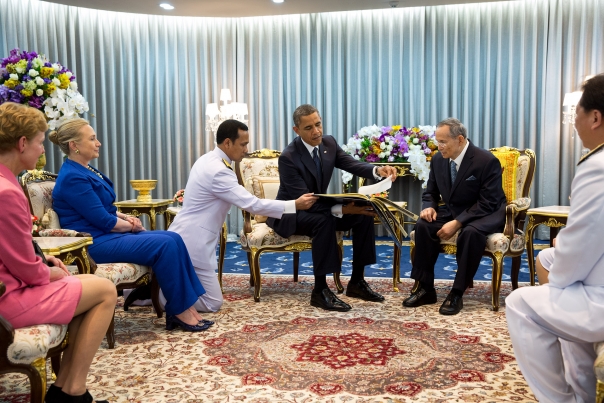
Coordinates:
[144,188]
[41,162]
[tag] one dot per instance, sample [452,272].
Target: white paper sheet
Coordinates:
[379,187]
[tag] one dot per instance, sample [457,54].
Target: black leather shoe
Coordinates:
[420,297]
[63,397]
[363,291]
[452,305]
[172,322]
[327,300]
[143,292]
[206,322]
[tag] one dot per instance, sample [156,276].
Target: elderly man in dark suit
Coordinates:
[306,166]
[464,192]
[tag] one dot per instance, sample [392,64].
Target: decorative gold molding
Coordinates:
[552,222]
[264,153]
[298,247]
[35,175]
[449,249]
[530,153]
[40,366]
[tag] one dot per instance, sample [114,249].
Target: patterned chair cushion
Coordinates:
[524,164]
[263,235]
[251,167]
[264,187]
[509,161]
[33,342]
[495,242]
[58,232]
[522,203]
[40,194]
[120,273]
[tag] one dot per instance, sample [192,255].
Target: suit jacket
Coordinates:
[476,196]
[298,175]
[27,279]
[84,202]
[211,190]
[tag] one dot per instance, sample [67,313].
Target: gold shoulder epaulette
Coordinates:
[227,164]
[592,152]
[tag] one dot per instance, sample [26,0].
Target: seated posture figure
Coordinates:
[211,190]
[83,198]
[37,293]
[553,327]
[306,165]
[467,179]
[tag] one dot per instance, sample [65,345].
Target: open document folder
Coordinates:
[384,208]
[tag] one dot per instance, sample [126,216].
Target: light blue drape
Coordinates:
[501,68]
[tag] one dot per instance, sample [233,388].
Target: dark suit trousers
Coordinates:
[470,247]
[322,228]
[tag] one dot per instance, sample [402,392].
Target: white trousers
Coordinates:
[555,359]
[212,300]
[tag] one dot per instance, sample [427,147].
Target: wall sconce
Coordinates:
[233,110]
[571,99]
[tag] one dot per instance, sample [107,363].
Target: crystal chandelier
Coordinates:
[571,99]
[233,110]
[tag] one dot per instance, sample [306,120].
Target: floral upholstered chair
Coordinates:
[26,350]
[258,172]
[38,187]
[518,172]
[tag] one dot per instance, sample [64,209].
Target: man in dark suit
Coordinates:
[306,166]
[467,179]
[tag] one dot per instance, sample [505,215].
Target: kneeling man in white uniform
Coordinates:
[211,190]
[565,316]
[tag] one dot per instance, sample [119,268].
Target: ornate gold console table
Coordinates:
[68,249]
[151,208]
[553,217]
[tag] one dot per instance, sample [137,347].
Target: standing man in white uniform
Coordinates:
[566,315]
[211,190]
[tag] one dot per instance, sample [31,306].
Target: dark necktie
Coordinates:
[453,172]
[315,158]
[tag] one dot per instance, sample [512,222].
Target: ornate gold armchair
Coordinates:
[258,172]
[26,350]
[38,187]
[518,172]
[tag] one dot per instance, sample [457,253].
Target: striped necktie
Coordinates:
[315,158]
[453,172]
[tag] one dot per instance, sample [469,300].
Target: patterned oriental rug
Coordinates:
[283,350]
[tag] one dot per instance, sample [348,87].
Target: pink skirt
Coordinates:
[57,303]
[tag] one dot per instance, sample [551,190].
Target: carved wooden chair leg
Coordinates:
[111,333]
[496,281]
[336,276]
[296,265]
[256,274]
[515,271]
[155,297]
[249,263]
[36,372]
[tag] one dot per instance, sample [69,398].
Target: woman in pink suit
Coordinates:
[37,293]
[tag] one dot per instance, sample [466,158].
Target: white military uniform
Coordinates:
[566,314]
[211,190]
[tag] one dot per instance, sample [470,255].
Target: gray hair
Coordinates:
[303,110]
[456,128]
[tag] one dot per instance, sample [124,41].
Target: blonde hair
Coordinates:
[18,120]
[68,131]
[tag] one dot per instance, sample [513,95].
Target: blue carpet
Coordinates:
[235,261]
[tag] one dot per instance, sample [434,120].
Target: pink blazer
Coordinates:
[30,297]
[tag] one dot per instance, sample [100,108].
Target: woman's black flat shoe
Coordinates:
[206,322]
[53,395]
[172,322]
[63,397]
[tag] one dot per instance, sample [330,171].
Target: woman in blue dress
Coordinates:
[83,199]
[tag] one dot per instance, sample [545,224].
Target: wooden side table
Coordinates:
[553,217]
[69,250]
[151,208]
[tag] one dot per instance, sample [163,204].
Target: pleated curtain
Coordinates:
[502,68]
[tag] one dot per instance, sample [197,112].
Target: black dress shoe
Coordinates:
[452,305]
[206,322]
[363,291]
[172,322]
[420,297]
[327,300]
[140,293]
[63,397]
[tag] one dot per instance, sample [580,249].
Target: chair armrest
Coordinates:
[515,212]
[247,222]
